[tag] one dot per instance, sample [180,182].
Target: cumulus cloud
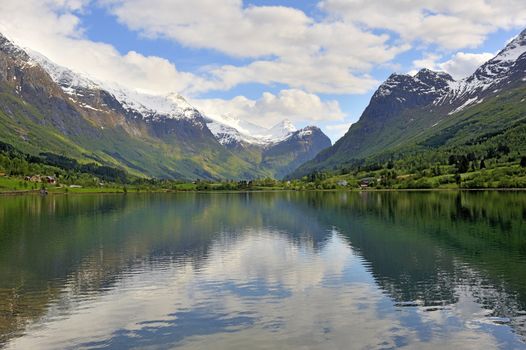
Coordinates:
[448,23]
[224,25]
[269,109]
[460,65]
[334,52]
[336,131]
[285,45]
[52,27]
[464,64]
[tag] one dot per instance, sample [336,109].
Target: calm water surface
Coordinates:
[264,270]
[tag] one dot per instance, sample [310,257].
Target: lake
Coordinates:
[347,270]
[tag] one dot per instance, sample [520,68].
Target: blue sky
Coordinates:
[313,62]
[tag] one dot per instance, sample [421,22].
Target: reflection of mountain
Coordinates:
[420,248]
[89,241]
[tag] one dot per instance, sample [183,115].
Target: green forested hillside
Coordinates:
[479,147]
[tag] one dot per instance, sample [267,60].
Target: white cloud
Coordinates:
[52,28]
[336,131]
[269,109]
[451,24]
[464,64]
[332,54]
[284,44]
[335,52]
[224,25]
[460,65]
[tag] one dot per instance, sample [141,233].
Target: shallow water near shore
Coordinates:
[345,270]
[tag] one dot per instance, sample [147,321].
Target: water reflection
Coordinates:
[337,270]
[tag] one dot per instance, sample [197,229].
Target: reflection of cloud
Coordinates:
[257,290]
[269,258]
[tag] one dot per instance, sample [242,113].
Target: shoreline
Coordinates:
[88,192]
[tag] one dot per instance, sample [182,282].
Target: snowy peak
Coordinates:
[393,82]
[179,100]
[437,80]
[307,131]
[68,80]
[406,91]
[424,82]
[401,90]
[497,70]
[513,50]
[282,129]
[229,131]
[11,49]
[244,127]
[154,107]
[149,106]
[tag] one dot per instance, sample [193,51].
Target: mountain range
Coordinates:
[46,108]
[430,115]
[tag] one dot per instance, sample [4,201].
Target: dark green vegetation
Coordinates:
[481,147]
[497,169]
[405,259]
[197,154]
[490,136]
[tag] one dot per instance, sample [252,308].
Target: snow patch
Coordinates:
[305,132]
[150,106]
[467,103]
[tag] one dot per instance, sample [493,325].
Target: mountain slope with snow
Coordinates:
[48,108]
[149,106]
[408,110]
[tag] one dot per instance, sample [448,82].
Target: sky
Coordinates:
[314,62]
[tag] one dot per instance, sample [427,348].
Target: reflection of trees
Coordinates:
[424,246]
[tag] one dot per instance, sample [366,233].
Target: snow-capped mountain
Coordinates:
[442,89]
[281,130]
[407,106]
[231,131]
[149,106]
[45,107]
[14,51]
[227,130]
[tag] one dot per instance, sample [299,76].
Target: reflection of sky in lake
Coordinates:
[259,289]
